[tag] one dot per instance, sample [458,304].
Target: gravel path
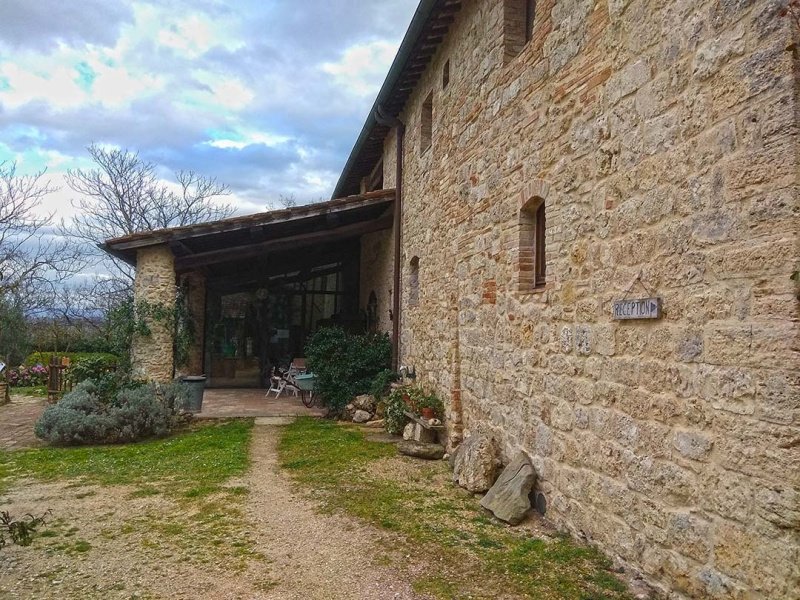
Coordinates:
[306,555]
[314,556]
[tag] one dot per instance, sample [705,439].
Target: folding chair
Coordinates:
[278,383]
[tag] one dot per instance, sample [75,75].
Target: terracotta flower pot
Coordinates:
[427,413]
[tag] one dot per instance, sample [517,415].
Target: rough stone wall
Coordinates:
[663,137]
[194,286]
[152,355]
[377,262]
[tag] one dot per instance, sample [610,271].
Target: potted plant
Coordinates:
[430,406]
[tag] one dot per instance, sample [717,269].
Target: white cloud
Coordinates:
[362,67]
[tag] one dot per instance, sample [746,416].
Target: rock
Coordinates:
[508,499]
[347,413]
[421,449]
[475,463]
[361,416]
[408,431]
[365,402]
[376,423]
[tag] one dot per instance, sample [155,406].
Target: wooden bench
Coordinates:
[423,430]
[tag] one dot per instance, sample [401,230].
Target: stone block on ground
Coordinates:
[421,449]
[376,423]
[365,402]
[361,416]
[475,463]
[408,431]
[508,499]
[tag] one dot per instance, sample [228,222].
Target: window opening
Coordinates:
[446,74]
[530,15]
[426,123]
[532,246]
[413,282]
[539,251]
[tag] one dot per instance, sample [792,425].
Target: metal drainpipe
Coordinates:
[400,130]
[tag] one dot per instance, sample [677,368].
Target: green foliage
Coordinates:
[88,415]
[105,359]
[394,417]
[91,367]
[439,523]
[346,364]
[411,398]
[431,401]
[381,383]
[14,334]
[19,531]
[199,459]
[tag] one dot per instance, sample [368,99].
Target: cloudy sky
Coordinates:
[266,95]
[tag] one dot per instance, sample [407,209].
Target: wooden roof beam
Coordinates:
[284,243]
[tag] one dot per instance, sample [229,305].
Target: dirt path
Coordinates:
[16,422]
[112,543]
[313,556]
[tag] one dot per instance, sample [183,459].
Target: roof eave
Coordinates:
[418,21]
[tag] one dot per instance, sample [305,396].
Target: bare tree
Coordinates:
[124,195]
[33,257]
[287,200]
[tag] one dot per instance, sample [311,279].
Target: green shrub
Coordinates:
[75,358]
[346,364]
[91,367]
[87,416]
[400,400]
[381,383]
[80,417]
[138,414]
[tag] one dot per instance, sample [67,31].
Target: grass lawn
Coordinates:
[37,390]
[470,554]
[190,464]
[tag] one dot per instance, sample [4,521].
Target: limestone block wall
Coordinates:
[377,260]
[663,138]
[152,355]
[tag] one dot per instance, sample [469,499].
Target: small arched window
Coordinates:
[413,282]
[532,246]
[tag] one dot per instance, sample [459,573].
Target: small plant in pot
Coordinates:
[430,406]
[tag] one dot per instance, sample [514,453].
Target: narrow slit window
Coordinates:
[532,265]
[519,17]
[426,123]
[530,17]
[446,74]
[413,282]
[539,251]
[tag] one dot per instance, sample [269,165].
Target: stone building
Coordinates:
[558,157]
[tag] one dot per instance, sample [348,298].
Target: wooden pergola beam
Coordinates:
[284,243]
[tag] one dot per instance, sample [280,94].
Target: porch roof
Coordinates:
[238,238]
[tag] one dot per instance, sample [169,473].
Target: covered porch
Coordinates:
[256,287]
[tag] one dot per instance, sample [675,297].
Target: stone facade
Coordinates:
[663,139]
[377,253]
[152,355]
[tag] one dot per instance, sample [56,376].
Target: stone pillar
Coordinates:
[152,355]
[194,286]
